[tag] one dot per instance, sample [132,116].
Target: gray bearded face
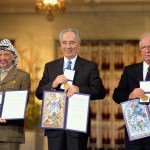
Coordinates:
[6,59]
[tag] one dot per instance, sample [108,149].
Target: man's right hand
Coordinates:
[137,93]
[59,80]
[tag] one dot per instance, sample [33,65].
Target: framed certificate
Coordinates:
[136,117]
[13,104]
[61,112]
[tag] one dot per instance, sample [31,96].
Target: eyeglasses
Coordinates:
[145,47]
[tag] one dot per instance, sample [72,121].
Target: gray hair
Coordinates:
[70,30]
[141,37]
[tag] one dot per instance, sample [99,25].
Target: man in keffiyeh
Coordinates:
[11,78]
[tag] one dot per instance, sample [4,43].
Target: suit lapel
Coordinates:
[139,72]
[60,65]
[10,76]
[78,64]
[79,69]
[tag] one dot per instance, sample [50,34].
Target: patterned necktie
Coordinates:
[148,75]
[69,64]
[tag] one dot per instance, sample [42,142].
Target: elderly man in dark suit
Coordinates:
[11,78]
[129,89]
[86,80]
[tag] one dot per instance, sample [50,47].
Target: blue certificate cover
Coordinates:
[137,120]
[61,112]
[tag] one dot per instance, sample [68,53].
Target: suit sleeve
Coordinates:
[44,84]
[121,93]
[95,87]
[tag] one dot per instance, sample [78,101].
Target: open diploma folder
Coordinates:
[61,112]
[13,104]
[137,119]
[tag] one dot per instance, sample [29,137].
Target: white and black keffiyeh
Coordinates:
[6,45]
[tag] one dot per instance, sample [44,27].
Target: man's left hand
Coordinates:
[72,89]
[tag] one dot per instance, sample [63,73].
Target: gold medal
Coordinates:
[66,85]
[145,98]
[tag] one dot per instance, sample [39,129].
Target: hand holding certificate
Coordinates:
[61,112]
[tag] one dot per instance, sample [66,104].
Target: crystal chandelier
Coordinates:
[50,7]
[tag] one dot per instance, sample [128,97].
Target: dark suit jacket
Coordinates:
[129,81]
[13,130]
[86,78]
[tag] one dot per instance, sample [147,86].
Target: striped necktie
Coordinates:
[69,64]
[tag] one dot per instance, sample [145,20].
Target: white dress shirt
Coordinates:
[145,69]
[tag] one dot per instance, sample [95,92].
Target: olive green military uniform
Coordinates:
[12,132]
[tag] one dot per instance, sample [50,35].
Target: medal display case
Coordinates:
[107,124]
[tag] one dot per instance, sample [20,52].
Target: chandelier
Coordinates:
[50,7]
